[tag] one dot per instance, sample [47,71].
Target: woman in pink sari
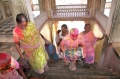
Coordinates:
[69,46]
[89,42]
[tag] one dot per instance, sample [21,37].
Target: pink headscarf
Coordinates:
[74,33]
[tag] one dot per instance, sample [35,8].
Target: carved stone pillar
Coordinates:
[27,9]
[42,5]
[53,4]
[16,8]
[22,6]
[47,5]
[98,4]
[113,4]
[2,10]
[48,8]
[113,27]
[102,6]
[94,5]
[89,4]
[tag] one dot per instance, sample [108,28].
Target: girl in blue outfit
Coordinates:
[51,50]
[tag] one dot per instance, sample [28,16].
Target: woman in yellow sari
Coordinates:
[27,36]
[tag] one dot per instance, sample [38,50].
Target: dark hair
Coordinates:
[58,31]
[19,18]
[87,25]
[64,25]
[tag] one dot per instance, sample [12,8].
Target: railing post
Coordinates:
[48,8]
[49,13]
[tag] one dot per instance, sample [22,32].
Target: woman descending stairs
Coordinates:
[58,70]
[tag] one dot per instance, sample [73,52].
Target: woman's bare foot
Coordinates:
[66,63]
[46,68]
[72,66]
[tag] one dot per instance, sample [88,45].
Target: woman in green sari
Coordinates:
[27,36]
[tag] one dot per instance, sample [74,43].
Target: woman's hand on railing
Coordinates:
[104,35]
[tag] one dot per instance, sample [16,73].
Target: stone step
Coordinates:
[57,70]
[1,30]
[69,75]
[78,65]
[80,72]
[57,76]
[5,45]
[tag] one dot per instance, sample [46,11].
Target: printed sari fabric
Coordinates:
[51,50]
[70,44]
[30,41]
[74,54]
[89,41]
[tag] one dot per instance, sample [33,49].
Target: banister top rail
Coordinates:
[73,5]
[70,6]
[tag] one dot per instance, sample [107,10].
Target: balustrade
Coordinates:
[62,11]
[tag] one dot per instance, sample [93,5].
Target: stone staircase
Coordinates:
[57,70]
[6,26]
[6,30]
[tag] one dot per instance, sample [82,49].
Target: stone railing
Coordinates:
[67,11]
[102,19]
[71,6]
[41,19]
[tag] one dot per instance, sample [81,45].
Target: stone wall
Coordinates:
[110,59]
[5,9]
[98,46]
